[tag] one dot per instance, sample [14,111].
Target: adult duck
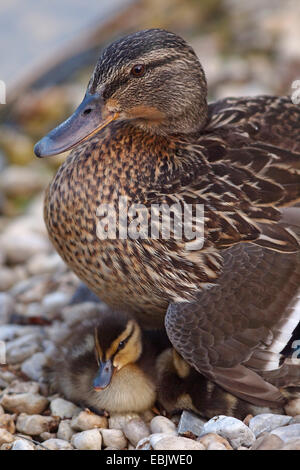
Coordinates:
[144,132]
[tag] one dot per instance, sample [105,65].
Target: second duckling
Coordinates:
[108,365]
[180,387]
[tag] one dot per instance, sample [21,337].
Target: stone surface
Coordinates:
[292,445]
[7,422]
[22,444]
[118,420]
[160,424]
[135,430]
[178,443]
[113,438]
[87,420]
[6,304]
[214,442]
[30,403]
[287,433]
[33,366]
[63,408]
[190,422]
[5,437]
[35,424]
[87,440]
[65,430]
[21,348]
[267,442]
[144,444]
[232,429]
[57,444]
[267,422]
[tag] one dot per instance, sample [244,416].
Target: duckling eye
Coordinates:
[121,345]
[138,70]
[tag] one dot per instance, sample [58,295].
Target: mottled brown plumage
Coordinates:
[146,132]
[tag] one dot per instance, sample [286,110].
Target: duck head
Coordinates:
[117,344]
[152,78]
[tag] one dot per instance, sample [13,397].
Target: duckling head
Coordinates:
[151,78]
[117,344]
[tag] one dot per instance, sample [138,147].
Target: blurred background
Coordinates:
[48,50]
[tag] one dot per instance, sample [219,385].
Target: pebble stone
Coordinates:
[113,438]
[267,442]
[87,420]
[5,437]
[178,443]
[65,430]
[135,430]
[266,422]
[34,424]
[63,408]
[30,403]
[190,422]
[57,444]
[21,444]
[232,429]
[118,420]
[87,440]
[213,441]
[7,422]
[160,424]
[33,366]
[287,433]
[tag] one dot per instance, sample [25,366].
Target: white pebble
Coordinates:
[57,444]
[266,422]
[21,444]
[232,429]
[87,420]
[113,438]
[160,424]
[87,440]
[135,430]
[63,408]
[30,403]
[34,366]
[34,424]
[178,443]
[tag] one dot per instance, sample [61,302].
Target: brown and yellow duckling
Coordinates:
[144,131]
[108,365]
[181,387]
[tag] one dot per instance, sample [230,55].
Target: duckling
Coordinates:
[145,132]
[108,365]
[181,387]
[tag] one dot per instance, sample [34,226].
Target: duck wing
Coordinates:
[273,120]
[234,331]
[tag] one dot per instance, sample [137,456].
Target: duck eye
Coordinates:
[138,70]
[121,345]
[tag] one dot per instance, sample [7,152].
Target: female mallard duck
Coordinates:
[144,131]
[109,364]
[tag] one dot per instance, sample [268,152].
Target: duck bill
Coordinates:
[88,119]
[104,375]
